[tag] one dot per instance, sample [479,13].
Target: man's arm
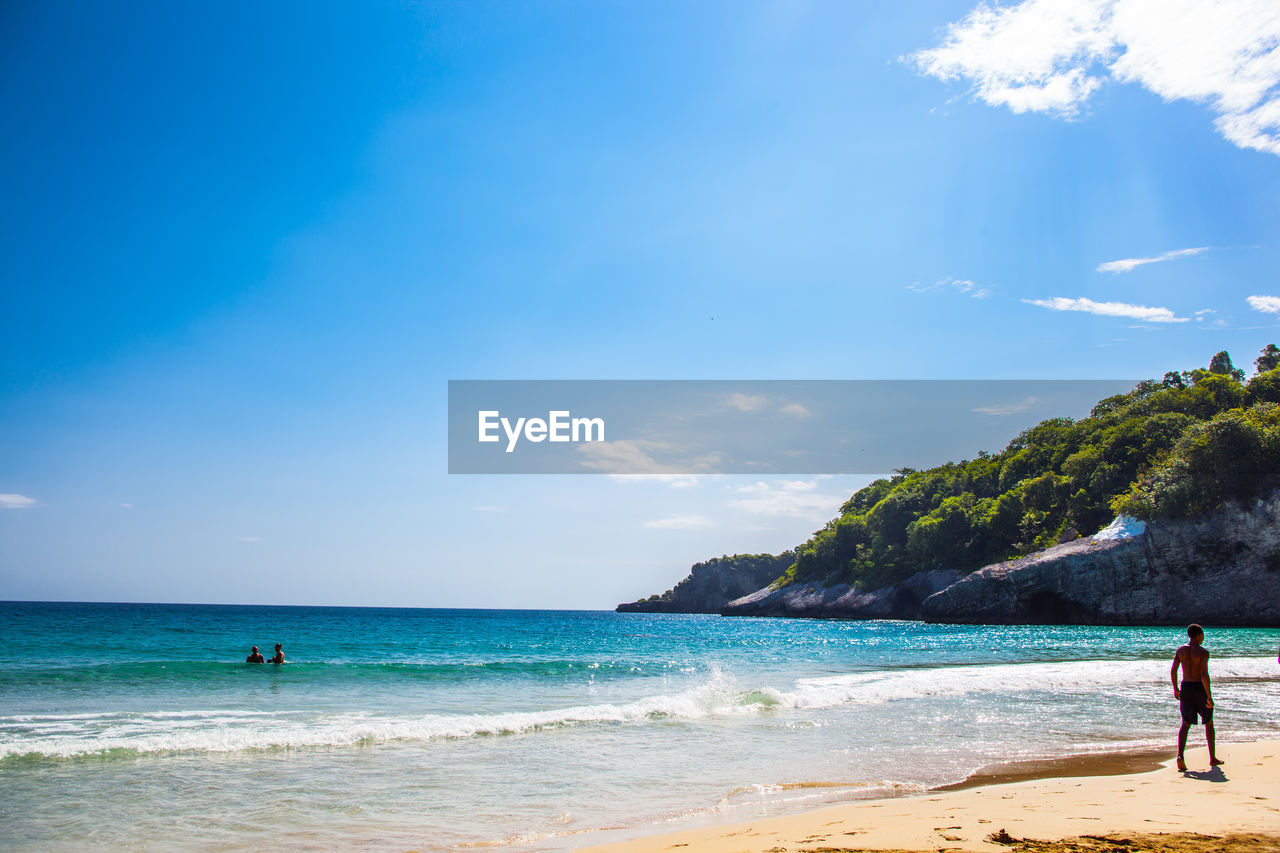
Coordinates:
[1173,674]
[1204,679]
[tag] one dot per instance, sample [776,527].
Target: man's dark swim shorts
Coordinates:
[1195,702]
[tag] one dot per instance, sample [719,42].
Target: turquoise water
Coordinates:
[138,726]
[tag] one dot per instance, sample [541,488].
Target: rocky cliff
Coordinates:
[900,601]
[1219,569]
[1222,568]
[713,583]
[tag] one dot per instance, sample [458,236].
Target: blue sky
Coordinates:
[245,247]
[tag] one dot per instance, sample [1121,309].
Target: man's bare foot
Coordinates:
[1182,765]
[1214,762]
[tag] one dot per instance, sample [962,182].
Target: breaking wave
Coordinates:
[42,737]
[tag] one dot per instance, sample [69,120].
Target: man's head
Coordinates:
[278,645]
[1195,633]
[255,650]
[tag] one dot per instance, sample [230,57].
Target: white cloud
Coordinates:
[1051,55]
[675,481]
[761,487]
[16,502]
[1265,304]
[681,522]
[795,410]
[1147,314]
[1009,408]
[635,458]
[248,538]
[959,285]
[968,288]
[746,402]
[127,506]
[612,455]
[1127,264]
[798,498]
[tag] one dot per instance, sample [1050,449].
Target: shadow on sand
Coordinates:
[1214,774]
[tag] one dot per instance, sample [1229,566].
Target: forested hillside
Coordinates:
[713,583]
[1174,447]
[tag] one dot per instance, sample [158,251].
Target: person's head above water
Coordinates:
[255,650]
[277,647]
[1194,633]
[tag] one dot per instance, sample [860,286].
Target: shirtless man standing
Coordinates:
[1194,696]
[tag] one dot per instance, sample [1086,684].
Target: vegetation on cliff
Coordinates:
[712,583]
[1175,447]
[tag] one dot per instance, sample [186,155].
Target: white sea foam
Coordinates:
[1067,676]
[220,731]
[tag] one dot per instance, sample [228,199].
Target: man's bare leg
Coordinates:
[1209,736]
[1182,746]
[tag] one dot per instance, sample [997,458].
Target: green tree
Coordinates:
[1177,447]
[1222,366]
[1269,359]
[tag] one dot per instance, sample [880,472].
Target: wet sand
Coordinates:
[1130,801]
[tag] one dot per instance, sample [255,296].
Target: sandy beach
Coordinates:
[1232,807]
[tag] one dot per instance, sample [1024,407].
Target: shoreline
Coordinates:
[1102,763]
[1134,791]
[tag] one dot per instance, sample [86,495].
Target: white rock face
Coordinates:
[1123,527]
[1222,568]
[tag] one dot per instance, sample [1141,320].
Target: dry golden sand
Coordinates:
[1235,807]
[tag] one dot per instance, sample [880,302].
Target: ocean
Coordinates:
[139,726]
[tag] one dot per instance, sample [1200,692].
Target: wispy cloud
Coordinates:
[127,506]
[675,481]
[1051,56]
[681,522]
[17,502]
[637,457]
[248,538]
[796,410]
[1265,304]
[1009,408]
[959,285]
[762,402]
[746,402]
[1127,264]
[1145,313]
[797,498]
